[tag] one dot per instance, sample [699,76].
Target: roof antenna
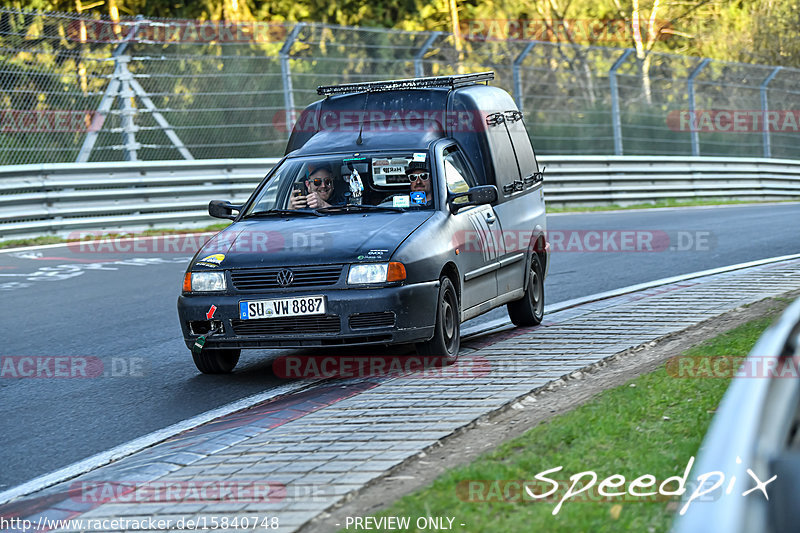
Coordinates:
[360,140]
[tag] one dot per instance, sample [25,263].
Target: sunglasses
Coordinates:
[319,181]
[419,176]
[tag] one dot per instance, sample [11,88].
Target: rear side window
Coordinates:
[504,159]
[526,158]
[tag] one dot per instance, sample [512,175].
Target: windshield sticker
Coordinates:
[420,157]
[418,198]
[400,201]
[395,170]
[212,261]
[390,171]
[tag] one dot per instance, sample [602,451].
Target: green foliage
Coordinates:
[755,31]
[209,88]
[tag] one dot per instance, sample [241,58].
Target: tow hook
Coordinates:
[201,340]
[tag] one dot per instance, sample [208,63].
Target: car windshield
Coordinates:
[328,185]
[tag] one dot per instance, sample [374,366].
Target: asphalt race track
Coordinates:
[121,309]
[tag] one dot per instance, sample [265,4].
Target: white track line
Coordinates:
[566,304]
[673,208]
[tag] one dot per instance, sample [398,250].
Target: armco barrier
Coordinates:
[55,199]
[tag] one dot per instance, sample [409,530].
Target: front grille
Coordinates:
[254,279]
[372,320]
[287,325]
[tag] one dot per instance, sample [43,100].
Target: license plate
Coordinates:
[281,307]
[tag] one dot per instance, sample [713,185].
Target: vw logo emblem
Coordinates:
[285,277]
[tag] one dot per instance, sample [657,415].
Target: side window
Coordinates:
[457,173]
[526,158]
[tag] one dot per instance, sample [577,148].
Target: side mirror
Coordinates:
[222,209]
[480,195]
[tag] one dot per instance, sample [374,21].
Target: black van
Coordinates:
[401,209]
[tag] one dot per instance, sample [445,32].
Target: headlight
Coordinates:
[376,273]
[204,281]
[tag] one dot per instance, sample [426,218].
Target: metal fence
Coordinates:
[80,89]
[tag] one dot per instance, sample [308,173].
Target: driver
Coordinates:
[320,189]
[420,179]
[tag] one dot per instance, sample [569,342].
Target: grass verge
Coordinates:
[669,202]
[50,239]
[651,425]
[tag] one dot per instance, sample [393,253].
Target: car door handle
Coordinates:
[490,218]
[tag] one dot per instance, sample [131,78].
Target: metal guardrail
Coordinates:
[599,180]
[58,199]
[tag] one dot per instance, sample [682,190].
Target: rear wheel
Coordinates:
[447,332]
[529,310]
[220,361]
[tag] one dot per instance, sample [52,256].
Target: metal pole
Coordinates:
[286,74]
[692,114]
[165,125]
[418,71]
[129,145]
[517,78]
[616,122]
[764,125]
[108,96]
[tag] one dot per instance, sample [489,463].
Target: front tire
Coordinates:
[529,311]
[447,332]
[220,361]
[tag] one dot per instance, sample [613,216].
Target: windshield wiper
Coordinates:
[358,207]
[282,212]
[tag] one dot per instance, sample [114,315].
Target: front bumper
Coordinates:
[354,316]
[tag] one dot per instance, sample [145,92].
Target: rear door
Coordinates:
[521,208]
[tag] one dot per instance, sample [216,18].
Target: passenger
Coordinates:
[420,179]
[320,185]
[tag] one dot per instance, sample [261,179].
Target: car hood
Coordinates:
[307,240]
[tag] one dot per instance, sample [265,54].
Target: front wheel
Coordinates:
[529,310]
[216,361]
[447,332]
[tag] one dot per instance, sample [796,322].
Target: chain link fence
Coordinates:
[91,89]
